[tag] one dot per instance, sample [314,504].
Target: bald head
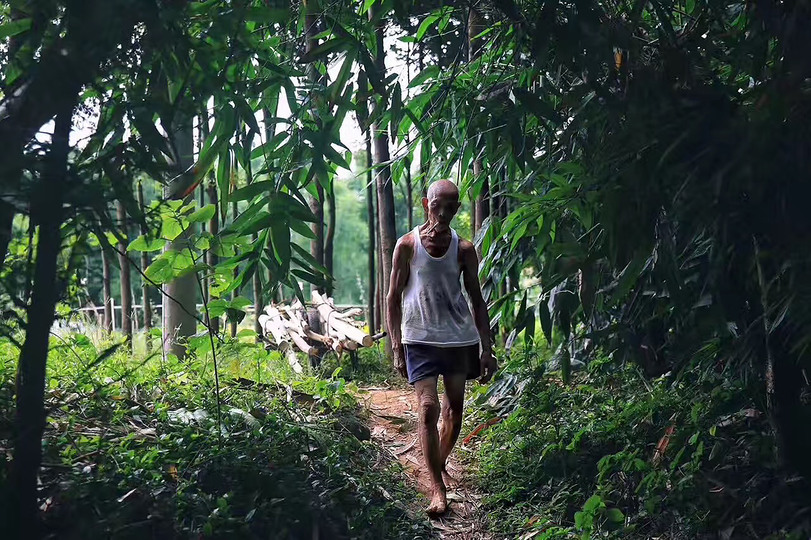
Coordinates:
[441,203]
[443,188]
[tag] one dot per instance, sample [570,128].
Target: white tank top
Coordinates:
[435,312]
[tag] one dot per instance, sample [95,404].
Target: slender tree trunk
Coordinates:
[30,411]
[147,308]
[270,130]
[329,240]
[124,268]
[6,224]
[106,290]
[214,230]
[475,26]
[385,192]
[232,325]
[425,143]
[180,301]
[370,215]
[258,301]
[409,194]
[316,203]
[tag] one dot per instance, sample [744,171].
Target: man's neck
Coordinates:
[434,231]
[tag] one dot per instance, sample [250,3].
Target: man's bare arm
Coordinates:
[394,301]
[470,274]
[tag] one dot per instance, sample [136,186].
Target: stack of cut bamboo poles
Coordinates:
[287,328]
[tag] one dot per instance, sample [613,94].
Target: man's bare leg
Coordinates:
[428,409]
[452,406]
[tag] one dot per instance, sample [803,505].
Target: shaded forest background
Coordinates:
[634,177]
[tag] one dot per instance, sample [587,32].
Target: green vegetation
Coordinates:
[634,175]
[134,447]
[615,454]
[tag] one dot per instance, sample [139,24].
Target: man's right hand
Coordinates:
[399,359]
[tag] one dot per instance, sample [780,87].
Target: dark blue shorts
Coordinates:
[423,361]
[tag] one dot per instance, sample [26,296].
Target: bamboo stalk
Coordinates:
[302,344]
[328,315]
[293,361]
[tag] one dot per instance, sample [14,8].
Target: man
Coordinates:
[432,330]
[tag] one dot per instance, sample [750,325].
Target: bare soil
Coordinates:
[392,422]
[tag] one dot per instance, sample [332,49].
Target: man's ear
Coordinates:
[425,203]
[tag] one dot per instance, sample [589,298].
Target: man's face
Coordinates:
[441,208]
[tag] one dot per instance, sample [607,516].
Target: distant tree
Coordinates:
[124,269]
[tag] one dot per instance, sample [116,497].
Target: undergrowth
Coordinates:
[133,447]
[614,455]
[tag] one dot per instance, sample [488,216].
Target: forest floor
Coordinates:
[393,423]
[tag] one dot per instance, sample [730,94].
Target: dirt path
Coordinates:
[393,423]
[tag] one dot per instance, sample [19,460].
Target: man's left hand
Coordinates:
[488,367]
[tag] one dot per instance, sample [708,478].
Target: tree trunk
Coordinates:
[370,215]
[180,300]
[124,267]
[385,193]
[106,292]
[475,26]
[316,203]
[147,308]
[258,303]
[329,240]
[425,143]
[409,193]
[30,411]
[6,224]
[214,230]
[232,324]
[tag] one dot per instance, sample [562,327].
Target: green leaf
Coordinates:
[280,238]
[217,307]
[431,72]
[146,244]
[546,320]
[307,276]
[160,271]
[308,259]
[615,515]
[240,302]
[224,178]
[15,27]
[429,21]
[171,228]
[252,190]
[204,214]
[629,276]
[302,228]
[322,50]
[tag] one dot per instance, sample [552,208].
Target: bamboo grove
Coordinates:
[633,171]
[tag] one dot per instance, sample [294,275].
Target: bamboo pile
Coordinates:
[288,329]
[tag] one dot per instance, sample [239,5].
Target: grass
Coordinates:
[133,448]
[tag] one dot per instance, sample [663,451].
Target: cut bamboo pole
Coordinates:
[328,315]
[350,345]
[271,326]
[302,344]
[350,313]
[292,359]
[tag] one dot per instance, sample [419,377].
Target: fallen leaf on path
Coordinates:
[406,449]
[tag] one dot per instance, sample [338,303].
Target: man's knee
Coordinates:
[453,413]
[428,409]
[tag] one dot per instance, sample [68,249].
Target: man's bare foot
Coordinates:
[439,503]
